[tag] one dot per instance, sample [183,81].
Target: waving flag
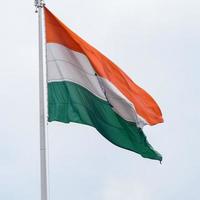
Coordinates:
[86,87]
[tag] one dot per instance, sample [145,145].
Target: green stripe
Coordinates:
[70,102]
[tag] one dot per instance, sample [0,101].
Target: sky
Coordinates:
[157,44]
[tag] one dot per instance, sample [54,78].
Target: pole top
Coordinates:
[39,4]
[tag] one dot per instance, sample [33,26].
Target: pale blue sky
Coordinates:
[155,42]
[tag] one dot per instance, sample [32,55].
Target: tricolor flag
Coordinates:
[86,87]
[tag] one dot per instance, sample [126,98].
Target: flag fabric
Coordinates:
[86,87]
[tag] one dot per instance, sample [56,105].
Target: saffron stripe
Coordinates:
[144,104]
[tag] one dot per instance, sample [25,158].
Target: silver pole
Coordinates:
[43,100]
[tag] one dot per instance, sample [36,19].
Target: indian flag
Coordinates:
[85,87]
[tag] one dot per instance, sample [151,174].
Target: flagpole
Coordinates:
[43,100]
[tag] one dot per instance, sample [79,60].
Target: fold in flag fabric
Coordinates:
[86,87]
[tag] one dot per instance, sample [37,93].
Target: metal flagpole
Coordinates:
[39,4]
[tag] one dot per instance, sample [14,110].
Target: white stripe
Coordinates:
[65,64]
[120,103]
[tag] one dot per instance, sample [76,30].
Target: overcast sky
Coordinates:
[157,43]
